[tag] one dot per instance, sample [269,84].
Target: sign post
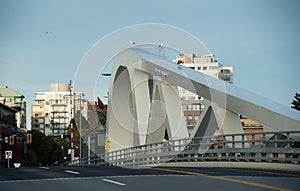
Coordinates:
[8,155]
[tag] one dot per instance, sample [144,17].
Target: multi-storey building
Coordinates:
[53,111]
[12,138]
[192,103]
[15,100]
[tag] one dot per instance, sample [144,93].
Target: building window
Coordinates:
[213,68]
[196,119]
[225,71]
[189,119]
[199,68]
[196,107]
[204,68]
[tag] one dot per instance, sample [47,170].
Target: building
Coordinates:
[12,138]
[95,136]
[206,64]
[15,100]
[192,103]
[53,111]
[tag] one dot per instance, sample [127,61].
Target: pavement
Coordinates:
[156,178]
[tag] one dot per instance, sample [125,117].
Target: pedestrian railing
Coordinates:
[281,147]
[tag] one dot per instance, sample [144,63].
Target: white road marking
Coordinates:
[91,178]
[44,167]
[72,172]
[114,182]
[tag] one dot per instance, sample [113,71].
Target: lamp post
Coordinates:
[72,111]
[80,129]
[62,150]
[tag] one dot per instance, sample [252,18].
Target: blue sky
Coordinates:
[44,41]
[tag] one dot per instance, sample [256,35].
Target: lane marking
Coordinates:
[226,179]
[114,182]
[72,172]
[91,177]
[44,167]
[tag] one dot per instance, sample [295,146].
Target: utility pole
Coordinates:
[80,124]
[80,132]
[72,121]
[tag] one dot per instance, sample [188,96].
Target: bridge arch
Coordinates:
[149,79]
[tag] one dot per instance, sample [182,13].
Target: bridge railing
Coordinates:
[257,147]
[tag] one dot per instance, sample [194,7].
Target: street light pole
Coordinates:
[80,133]
[62,149]
[80,129]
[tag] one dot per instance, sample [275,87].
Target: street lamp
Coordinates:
[80,130]
[62,149]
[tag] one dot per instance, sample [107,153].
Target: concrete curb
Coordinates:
[243,165]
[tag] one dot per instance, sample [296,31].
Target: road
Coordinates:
[158,178]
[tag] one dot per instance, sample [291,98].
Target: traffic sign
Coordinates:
[107,142]
[8,154]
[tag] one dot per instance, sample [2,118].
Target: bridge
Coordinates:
[144,106]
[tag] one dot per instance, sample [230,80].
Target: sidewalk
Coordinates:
[295,168]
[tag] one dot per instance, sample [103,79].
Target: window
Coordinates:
[196,107]
[213,68]
[225,71]
[204,68]
[192,68]
[189,119]
[18,100]
[196,119]
[199,68]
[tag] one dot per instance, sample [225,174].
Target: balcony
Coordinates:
[59,104]
[59,111]
[39,99]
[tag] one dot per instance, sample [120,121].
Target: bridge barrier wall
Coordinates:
[271,147]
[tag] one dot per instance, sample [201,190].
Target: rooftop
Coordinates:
[8,92]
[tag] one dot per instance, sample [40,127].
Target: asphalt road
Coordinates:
[159,178]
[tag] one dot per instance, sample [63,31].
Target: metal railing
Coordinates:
[281,147]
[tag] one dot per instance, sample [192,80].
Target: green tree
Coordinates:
[296,102]
[30,158]
[46,149]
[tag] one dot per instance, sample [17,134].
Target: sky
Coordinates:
[44,41]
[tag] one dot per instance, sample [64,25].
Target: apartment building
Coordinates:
[15,100]
[207,64]
[53,110]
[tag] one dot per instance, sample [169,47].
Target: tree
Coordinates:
[30,158]
[296,102]
[45,148]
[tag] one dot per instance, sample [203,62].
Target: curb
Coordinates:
[294,168]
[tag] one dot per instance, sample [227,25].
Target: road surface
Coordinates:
[158,178]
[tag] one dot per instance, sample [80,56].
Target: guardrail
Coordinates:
[281,147]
